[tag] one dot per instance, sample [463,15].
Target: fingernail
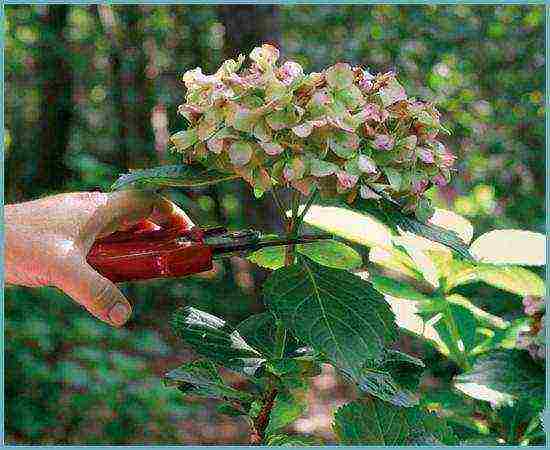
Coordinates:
[119,313]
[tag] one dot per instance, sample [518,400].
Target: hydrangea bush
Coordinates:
[343,131]
[371,152]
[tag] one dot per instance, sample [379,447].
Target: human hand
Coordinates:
[47,241]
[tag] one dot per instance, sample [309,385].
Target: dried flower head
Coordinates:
[342,130]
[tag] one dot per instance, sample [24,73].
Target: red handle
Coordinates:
[144,253]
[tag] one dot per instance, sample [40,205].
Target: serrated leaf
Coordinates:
[286,409]
[213,338]
[389,214]
[285,440]
[175,176]
[259,330]
[350,225]
[521,247]
[502,377]
[396,288]
[514,279]
[392,378]
[328,253]
[331,310]
[375,422]
[202,378]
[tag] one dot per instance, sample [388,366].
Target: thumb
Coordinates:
[98,295]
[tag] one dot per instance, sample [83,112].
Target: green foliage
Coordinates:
[503,376]
[331,310]
[172,176]
[58,360]
[286,409]
[375,422]
[327,253]
[202,378]
[213,338]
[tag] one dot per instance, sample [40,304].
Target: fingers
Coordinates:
[97,294]
[168,214]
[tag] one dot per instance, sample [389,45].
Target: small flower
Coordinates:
[439,180]
[383,142]
[425,155]
[418,187]
[290,72]
[271,148]
[345,180]
[366,164]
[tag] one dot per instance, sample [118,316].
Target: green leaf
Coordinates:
[502,377]
[184,139]
[302,366]
[363,229]
[521,247]
[514,279]
[375,422]
[333,311]
[454,222]
[202,378]
[213,338]
[286,409]
[394,377]
[285,440]
[389,214]
[398,289]
[327,253]
[458,318]
[176,176]
[332,253]
[259,330]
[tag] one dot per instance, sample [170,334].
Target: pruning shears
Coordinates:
[144,253]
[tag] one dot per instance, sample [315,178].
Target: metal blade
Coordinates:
[238,247]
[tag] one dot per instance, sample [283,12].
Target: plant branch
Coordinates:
[262,419]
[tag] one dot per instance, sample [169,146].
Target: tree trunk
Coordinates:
[56,108]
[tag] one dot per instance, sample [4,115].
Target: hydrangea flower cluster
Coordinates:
[533,339]
[342,130]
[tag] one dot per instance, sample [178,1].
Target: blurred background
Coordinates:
[93,90]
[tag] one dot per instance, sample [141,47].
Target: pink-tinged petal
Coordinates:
[288,173]
[271,148]
[303,130]
[425,155]
[265,56]
[345,180]
[383,142]
[339,76]
[240,153]
[318,123]
[215,145]
[440,180]
[418,187]
[290,72]
[366,164]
